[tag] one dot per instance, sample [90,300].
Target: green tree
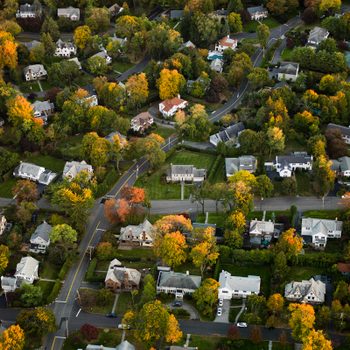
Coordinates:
[149,290]
[63,73]
[31,295]
[263,33]
[97,65]
[258,77]
[275,139]
[63,234]
[97,19]
[264,186]
[235,22]
[233,238]
[50,26]
[342,292]
[280,268]
[206,296]
[95,149]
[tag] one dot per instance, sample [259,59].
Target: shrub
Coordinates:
[54,292]
[91,270]
[89,332]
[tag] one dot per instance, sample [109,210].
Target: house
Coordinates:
[141,234]
[70,12]
[65,49]
[226,43]
[185,173]
[34,172]
[3,223]
[121,41]
[262,231]
[73,168]
[43,109]
[8,284]
[286,165]
[316,36]
[344,131]
[76,61]
[188,44]
[310,292]
[317,231]
[217,65]
[27,270]
[220,15]
[34,72]
[344,268]
[116,134]
[176,347]
[40,239]
[29,10]
[120,278]
[141,122]
[176,14]
[104,55]
[177,283]
[228,135]
[30,45]
[169,107]
[233,165]
[237,286]
[124,345]
[257,13]
[288,71]
[341,166]
[115,10]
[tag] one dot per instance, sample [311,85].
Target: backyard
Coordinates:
[252,25]
[155,183]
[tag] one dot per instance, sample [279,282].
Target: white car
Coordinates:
[123,326]
[221,302]
[219,313]
[242,325]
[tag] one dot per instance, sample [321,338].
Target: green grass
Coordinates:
[263,271]
[6,188]
[304,186]
[124,303]
[269,214]
[50,271]
[188,266]
[298,273]
[213,218]
[164,131]
[71,146]
[46,288]
[286,54]
[48,162]
[121,67]
[95,307]
[155,184]
[205,342]
[322,214]
[143,254]
[252,25]
[220,174]
[30,87]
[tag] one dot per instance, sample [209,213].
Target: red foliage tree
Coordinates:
[134,195]
[89,332]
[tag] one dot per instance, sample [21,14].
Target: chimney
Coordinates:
[187,273]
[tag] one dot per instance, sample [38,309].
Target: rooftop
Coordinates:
[171,279]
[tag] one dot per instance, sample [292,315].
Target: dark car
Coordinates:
[111,315]
[177,303]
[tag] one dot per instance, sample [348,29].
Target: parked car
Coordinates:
[111,315]
[177,303]
[219,313]
[242,325]
[123,326]
[221,302]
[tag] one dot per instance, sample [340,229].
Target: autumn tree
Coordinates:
[20,113]
[255,335]
[316,341]
[275,139]
[4,257]
[25,190]
[275,303]
[97,18]
[302,319]
[82,36]
[290,243]
[258,77]
[12,338]
[8,51]
[235,22]
[324,175]
[134,195]
[170,83]
[263,33]
[205,253]
[173,223]
[171,248]
[63,234]
[329,6]
[281,7]
[95,149]
[206,296]
[24,212]
[137,88]
[110,207]
[336,146]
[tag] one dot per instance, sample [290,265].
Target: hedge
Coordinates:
[64,269]
[181,313]
[110,179]
[54,292]
[91,270]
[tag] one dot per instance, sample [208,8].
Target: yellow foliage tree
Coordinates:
[317,341]
[170,83]
[137,87]
[8,51]
[82,35]
[237,220]
[20,113]
[172,223]
[301,320]
[173,332]
[4,257]
[290,243]
[12,338]
[275,303]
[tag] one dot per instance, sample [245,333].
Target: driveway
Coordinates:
[194,315]
[224,318]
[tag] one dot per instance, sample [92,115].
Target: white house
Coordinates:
[3,224]
[34,172]
[226,43]
[288,71]
[73,168]
[228,136]
[310,292]
[104,55]
[262,228]
[344,131]
[317,231]
[27,270]
[233,165]
[177,283]
[29,10]
[286,165]
[316,36]
[341,166]
[169,107]
[186,173]
[8,284]
[70,12]
[34,72]
[124,345]
[257,13]
[65,49]
[141,122]
[40,239]
[43,109]
[217,65]
[141,234]
[188,44]
[236,286]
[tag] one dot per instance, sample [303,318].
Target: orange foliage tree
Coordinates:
[290,243]
[172,223]
[12,338]
[8,50]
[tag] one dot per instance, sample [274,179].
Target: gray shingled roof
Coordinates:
[288,68]
[254,9]
[43,231]
[179,280]
[344,130]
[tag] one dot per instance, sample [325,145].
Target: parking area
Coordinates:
[225,312]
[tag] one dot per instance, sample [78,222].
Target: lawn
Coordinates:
[46,288]
[263,271]
[286,54]
[164,131]
[298,273]
[220,173]
[205,342]
[121,67]
[49,270]
[124,303]
[142,254]
[155,184]
[252,25]
[94,306]
[70,147]
[48,162]
[6,188]
[322,214]
[304,185]
[188,266]
[213,218]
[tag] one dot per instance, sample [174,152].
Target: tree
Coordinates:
[330,6]
[173,223]
[25,190]
[307,123]
[206,252]
[336,146]
[290,243]
[95,149]
[237,221]
[264,186]
[323,316]
[342,292]
[263,33]
[289,186]
[329,83]
[82,36]
[137,87]
[235,22]
[63,234]
[324,175]
[89,332]
[170,83]
[36,322]
[110,207]
[4,257]
[204,29]
[126,26]
[316,341]
[233,238]
[206,296]
[98,19]
[97,65]
[149,290]
[280,268]
[20,113]
[12,338]
[301,320]
[105,251]
[8,51]
[134,195]
[31,295]
[258,77]
[275,303]
[275,139]
[255,335]
[24,212]
[63,73]
[173,333]
[50,26]
[280,7]
[171,248]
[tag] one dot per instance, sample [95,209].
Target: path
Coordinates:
[240,312]
[115,302]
